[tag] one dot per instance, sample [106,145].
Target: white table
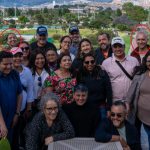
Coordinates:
[83,144]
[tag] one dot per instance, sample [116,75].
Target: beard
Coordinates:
[104,47]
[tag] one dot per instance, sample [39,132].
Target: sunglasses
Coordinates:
[88,62]
[25,48]
[40,81]
[118,45]
[119,115]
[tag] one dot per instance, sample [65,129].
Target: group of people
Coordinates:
[50,94]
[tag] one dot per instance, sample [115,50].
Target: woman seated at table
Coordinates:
[49,125]
[83,116]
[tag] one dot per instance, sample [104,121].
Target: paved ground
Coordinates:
[144,140]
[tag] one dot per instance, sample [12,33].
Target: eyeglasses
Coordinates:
[88,62]
[25,48]
[67,42]
[118,45]
[119,115]
[40,81]
[148,61]
[50,109]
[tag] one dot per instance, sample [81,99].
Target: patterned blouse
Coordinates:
[62,87]
[38,130]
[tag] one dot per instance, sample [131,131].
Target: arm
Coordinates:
[103,132]
[3,128]
[68,131]
[108,89]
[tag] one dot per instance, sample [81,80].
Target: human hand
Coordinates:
[126,148]
[15,120]
[48,140]
[3,131]
[123,142]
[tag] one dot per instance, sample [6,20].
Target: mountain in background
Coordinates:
[10,3]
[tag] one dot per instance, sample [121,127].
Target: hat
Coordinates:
[41,30]
[73,29]
[16,50]
[117,40]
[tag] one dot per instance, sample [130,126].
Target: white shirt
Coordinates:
[27,82]
[72,56]
[37,89]
[119,81]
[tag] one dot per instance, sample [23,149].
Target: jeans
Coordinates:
[147,129]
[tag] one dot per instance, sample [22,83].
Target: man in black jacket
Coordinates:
[117,128]
[104,50]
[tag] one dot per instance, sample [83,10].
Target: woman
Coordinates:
[40,71]
[98,83]
[61,81]
[51,57]
[11,40]
[138,97]
[48,126]
[83,116]
[25,47]
[85,46]
[27,95]
[65,43]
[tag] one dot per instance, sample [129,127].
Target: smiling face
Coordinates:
[75,36]
[86,47]
[50,110]
[65,62]
[80,97]
[103,42]
[41,39]
[89,63]
[118,50]
[118,115]
[141,40]
[6,65]
[17,59]
[39,61]
[65,44]
[12,40]
[25,49]
[51,56]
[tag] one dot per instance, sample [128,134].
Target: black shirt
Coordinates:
[83,118]
[44,48]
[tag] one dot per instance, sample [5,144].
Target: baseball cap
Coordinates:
[41,30]
[117,40]
[73,29]
[16,50]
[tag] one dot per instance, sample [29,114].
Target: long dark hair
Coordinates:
[32,61]
[79,49]
[97,72]
[143,67]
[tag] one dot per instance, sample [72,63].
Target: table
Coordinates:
[84,144]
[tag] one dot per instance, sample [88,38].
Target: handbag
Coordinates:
[4,144]
[123,69]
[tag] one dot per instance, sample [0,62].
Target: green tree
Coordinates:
[23,19]
[40,19]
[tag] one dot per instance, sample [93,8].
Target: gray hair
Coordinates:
[142,32]
[49,97]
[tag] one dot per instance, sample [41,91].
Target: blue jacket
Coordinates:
[106,129]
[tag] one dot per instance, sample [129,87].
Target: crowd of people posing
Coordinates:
[48,95]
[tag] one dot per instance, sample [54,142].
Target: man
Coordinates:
[104,51]
[142,46]
[119,79]
[11,97]
[117,128]
[42,43]
[74,34]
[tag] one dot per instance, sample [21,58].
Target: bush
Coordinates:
[56,37]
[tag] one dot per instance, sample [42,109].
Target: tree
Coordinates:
[118,12]
[23,19]
[40,19]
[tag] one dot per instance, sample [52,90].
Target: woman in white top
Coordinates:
[40,71]
[65,43]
